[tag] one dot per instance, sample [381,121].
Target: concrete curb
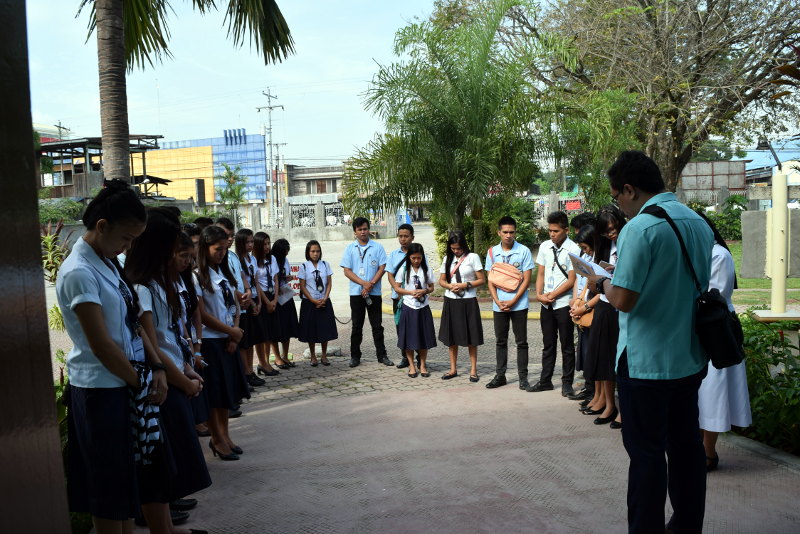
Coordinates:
[487,315]
[756,447]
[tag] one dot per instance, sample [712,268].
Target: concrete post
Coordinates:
[287,216]
[319,220]
[780,218]
[553,204]
[722,196]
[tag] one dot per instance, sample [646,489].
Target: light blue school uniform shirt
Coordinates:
[364,261]
[307,273]
[236,268]
[520,257]
[84,277]
[658,332]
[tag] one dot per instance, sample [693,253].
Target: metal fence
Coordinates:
[335,215]
[303,215]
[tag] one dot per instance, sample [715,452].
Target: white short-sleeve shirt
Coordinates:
[553,277]
[84,277]
[306,273]
[409,300]
[612,259]
[214,303]
[266,275]
[153,299]
[467,270]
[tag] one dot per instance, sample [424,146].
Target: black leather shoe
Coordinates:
[177,518]
[253,380]
[606,420]
[354,362]
[524,384]
[386,361]
[583,394]
[596,412]
[403,364]
[182,505]
[616,425]
[585,403]
[233,414]
[497,381]
[566,390]
[539,386]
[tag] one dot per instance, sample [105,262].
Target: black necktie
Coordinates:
[318,281]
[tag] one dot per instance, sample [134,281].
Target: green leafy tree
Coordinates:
[232,193]
[698,69]
[717,150]
[135,33]
[458,119]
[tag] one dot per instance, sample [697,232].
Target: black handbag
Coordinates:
[718,328]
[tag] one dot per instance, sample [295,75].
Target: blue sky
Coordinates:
[209,85]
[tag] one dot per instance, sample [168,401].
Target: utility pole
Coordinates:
[59,127]
[269,107]
[277,170]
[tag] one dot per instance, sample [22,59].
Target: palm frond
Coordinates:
[263,22]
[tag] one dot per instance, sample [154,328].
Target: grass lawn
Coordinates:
[755,283]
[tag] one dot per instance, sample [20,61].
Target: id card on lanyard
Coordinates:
[362,270]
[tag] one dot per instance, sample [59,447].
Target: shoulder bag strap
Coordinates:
[658,211]
[560,268]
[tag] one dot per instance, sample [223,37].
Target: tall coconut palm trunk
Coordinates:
[111,62]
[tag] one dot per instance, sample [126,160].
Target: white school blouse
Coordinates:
[266,274]
[214,303]
[153,299]
[84,277]
[467,270]
[306,273]
[410,300]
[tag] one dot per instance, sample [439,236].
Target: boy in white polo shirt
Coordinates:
[554,281]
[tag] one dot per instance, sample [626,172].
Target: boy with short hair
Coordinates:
[364,262]
[510,308]
[554,282]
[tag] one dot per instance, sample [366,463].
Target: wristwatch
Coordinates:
[587,307]
[469,285]
[598,286]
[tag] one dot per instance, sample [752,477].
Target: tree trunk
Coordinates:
[665,144]
[477,229]
[113,95]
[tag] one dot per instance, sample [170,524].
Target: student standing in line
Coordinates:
[723,398]
[317,320]
[414,281]
[249,322]
[510,308]
[461,274]
[405,236]
[364,262]
[109,359]
[224,379]
[153,264]
[286,311]
[554,280]
[267,275]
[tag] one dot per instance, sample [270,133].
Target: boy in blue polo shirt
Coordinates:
[364,262]
[510,308]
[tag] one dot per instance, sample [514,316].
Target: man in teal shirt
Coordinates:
[660,363]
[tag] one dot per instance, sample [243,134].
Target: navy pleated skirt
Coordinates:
[415,331]
[601,351]
[317,325]
[287,326]
[225,383]
[461,323]
[177,420]
[102,478]
[269,321]
[254,332]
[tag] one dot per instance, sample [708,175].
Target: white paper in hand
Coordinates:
[285,294]
[584,267]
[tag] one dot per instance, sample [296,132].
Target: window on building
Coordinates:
[321,186]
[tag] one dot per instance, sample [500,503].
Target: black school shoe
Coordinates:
[540,386]
[497,381]
[566,390]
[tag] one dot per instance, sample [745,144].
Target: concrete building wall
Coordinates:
[754,244]
[183,166]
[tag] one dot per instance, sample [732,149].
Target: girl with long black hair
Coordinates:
[248,321]
[286,311]
[115,375]
[413,280]
[219,310]
[153,264]
[267,278]
[461,274]
[317,320]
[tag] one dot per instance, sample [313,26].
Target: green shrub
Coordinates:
[56,209]
[773,378]
[729,220]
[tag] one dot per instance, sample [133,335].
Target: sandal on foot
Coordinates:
[473,378]
[448,376]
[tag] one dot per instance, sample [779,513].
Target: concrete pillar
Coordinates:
[553,203]
[31,472]
[722,196]
[319,220]
[391,223]
[287,216]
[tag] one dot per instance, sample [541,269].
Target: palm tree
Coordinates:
[232,193]
[458,120]
[134,32]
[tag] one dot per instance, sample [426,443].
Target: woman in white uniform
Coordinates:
[723,398]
